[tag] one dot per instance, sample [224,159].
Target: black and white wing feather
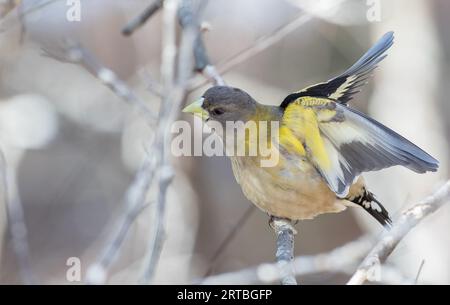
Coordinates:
[343,87]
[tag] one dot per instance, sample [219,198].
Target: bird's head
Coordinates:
[222,104]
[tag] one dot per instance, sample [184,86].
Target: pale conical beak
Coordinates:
[196,109]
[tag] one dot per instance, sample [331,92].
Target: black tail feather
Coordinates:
[368,201]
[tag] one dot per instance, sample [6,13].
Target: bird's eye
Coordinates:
[217,111]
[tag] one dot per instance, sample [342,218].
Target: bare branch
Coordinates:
[260,45]
[211,73]
[157,164]
[174,96]
[76,53]
[229,237]
[338,260]
[416,280]
[16,221]
[141,19]
[6,6]
[390,239]
[285,232]
[25,12]
[264,42]
[188,18]
[134,203]
[168,63]
[151,167]
[157,233]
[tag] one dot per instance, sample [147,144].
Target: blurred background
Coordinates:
[74,146]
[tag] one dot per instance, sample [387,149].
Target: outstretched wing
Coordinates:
[342,142]
[344,86]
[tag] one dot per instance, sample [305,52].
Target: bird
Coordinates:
[324,145]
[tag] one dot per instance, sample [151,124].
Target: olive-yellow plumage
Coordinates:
[323,145]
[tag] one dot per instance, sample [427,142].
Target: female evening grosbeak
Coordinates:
[324,145]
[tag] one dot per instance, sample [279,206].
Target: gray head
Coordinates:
[223,103]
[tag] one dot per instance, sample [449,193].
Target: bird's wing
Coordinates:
[343,87]
[342,142]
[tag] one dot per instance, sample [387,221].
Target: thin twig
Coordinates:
[416,280]
[76,53]
[6,6]
[257,47]
[24,13]
[344,257]
[168,63]
[174,96]
[157,163]
[157,234]
[390,239]
[230,236]
[16,220]
[339,260]
[134,201]
[260,45]
[151,167]
[285,233]
[141,19]
[189,18]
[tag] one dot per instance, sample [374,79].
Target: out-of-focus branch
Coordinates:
[285,232]
[390,239]
[188,18]
[141,19]
[135,197]
[260,45]
[229,237]
[174,97]
[168,63]
[134,203]
[23,13]
[157,163]
[338,260]
[6,6]
[9,198]
[264,42]
[75,53]
[343,258]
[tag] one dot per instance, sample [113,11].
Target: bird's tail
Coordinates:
[368,202]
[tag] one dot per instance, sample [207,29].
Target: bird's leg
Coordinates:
[285,231]
[276,222]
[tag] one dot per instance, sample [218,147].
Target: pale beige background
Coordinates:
[76,152]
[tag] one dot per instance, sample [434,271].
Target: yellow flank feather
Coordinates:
[290,142]
[302,122]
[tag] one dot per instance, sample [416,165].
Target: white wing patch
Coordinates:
[344,88]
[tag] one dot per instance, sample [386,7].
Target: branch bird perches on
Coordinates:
[342,258]
[285,233]
[390,239]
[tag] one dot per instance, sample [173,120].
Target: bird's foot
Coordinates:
[279,224]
